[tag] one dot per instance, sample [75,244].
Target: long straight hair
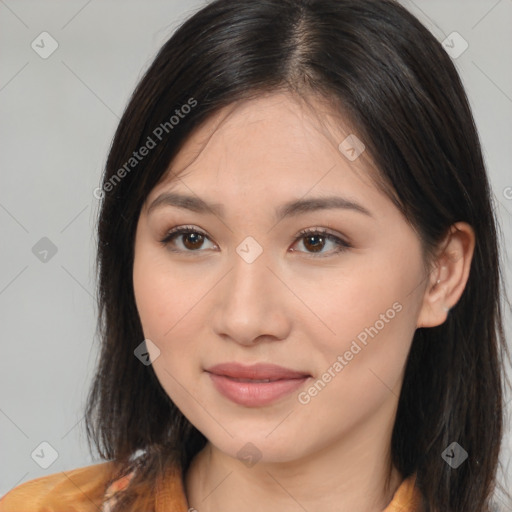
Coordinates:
[376,63]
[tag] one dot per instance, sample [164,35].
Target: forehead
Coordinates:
[274,146]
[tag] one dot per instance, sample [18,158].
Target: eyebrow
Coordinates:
[289,209]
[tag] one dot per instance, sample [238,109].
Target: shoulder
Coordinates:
[407,498]
[76,490]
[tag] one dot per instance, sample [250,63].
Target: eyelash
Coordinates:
[342,244]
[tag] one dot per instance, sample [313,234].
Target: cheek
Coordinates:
[371,312]
[361,369]
[163,301]
[163,296]
[373,297]
[170,306]
[153,299]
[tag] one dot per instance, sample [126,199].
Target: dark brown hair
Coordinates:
[405,100]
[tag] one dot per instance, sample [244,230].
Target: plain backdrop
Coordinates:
[58,116]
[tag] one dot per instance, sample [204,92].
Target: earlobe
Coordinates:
[449,276]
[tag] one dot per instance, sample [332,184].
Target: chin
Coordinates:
[254,447]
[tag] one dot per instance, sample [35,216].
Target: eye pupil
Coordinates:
[316,246]
[197,240]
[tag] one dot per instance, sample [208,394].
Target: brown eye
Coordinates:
[188,237]
[314,241]
[192,240]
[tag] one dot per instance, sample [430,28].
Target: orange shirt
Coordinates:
[85,490]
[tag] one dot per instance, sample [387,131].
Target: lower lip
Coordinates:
[254,394]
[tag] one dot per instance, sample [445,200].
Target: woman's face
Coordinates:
[245,286]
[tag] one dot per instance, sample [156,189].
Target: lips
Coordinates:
[256,385]
[257,372]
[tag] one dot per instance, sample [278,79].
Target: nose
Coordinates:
[251,304]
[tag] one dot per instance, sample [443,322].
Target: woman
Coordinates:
[298,275]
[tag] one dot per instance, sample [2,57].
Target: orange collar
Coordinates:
[84,489]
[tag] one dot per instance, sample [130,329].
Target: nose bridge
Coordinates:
[249,278]
[250,304]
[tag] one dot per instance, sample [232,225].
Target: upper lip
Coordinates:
[259,371]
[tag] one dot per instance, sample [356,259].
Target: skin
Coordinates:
[292,306]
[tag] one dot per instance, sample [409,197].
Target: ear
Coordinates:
[449,276]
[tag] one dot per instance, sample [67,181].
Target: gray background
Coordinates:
[58,116]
